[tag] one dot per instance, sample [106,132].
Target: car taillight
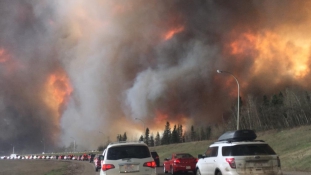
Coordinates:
[150,164]
[106,167]
[177,161]
[231,162]
[279,161]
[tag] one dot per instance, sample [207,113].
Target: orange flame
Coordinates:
[291,56]
[172,32]
[3,56]
[58,90]
[161,118]
[8,62]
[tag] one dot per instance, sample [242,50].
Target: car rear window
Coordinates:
[124,152]
[184,156]
[245,150]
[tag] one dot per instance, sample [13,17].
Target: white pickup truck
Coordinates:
[14,156]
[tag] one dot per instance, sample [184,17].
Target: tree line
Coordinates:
[285,109]
[171,136]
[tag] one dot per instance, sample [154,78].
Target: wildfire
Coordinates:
[172,32]
[58,90]
[289,56]
[161,119]
[3,57]
[9,64]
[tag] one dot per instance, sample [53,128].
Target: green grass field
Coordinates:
[292,145]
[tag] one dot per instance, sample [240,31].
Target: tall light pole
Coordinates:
[13,148]
[43,141]
[74,144]
[238,115]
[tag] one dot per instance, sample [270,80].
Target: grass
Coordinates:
[60,171]
[292,145]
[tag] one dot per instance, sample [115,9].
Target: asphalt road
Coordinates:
[160,172]
[39,167]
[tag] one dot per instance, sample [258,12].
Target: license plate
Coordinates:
[129,168]
[188,167]
[258,164]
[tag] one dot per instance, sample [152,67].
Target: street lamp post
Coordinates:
[13,149]
[74,144]
[43,141]
[238,115]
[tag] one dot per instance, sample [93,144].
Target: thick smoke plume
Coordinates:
[82,71]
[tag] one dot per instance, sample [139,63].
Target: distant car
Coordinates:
[97,161]
[84,157]
[180,162]
[91,157]
[127,158]
[79,157]
[155,157]
[14,156]
[237,152]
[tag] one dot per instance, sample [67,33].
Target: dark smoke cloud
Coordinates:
[121,68]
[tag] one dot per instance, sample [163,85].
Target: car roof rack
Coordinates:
[111,143]
[238,135]
[229,141]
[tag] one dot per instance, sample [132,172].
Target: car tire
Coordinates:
[172,171]
[198,172]
[164,170]
[219,173]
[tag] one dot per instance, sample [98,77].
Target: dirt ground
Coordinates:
[46,167]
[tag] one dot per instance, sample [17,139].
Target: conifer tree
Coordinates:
[180,133]
[157,141]
[193,134]
[151,141]
[174,138]
[141,138]
[124,138]
[147,136]
[166,134]
[202,134]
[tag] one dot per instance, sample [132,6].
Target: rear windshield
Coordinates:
[183,156]
[123,152]
[245,150]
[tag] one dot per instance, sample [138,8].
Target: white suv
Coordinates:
[238,153]
[127,157]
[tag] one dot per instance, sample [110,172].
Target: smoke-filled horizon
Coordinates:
[82,71]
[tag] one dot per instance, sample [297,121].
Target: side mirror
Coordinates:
[200,156]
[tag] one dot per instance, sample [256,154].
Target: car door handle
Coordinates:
[214,160]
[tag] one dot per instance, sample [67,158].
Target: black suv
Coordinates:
[155,157]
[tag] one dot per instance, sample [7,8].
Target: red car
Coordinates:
[180,162]
[85,157]
[97,162]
